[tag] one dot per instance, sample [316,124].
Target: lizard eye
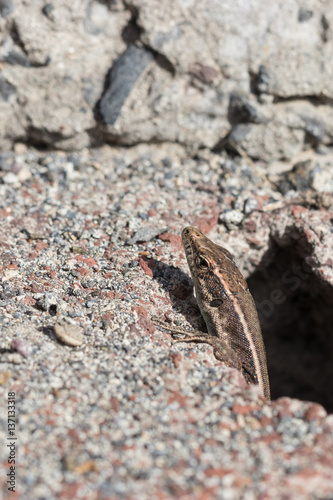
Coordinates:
[216,303]
[203,263]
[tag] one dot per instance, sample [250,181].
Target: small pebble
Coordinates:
[147,234]
[250,205]
[231,218]
[22,347]
[68,332]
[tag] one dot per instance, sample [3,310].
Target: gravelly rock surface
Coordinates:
[129,414]
[253,74]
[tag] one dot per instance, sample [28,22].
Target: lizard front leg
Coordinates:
[222,351]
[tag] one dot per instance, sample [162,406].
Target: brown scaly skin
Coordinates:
[228,309]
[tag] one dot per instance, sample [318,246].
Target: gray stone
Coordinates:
[7,89]
[124,74]
[147,234]
[250,205]
[6,7]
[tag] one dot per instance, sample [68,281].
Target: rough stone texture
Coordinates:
[55,59]
[245,74]
[129,413]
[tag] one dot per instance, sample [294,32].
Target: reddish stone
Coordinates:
[11,266]
[250,225]
[82,271]
[307,473]
[4,212]
[241,481]
[29,301]
[310,235]
[144,321]
[217,471]
[208,494]
[297,210]
[107,316]
[176,358]
[33,255]
[79,257]
[108,252]
[158,251]
[266,421]
[168,315]
[207,222]
[283,407]
[182,257]
[107,275]
[141,311]
[71,491]
[160,495]
[37,287]
[143,264]
[90,262]
[274,436]
[111,295]
[40,245]
[231,426]
[178,397]
[114,404]
[315,412]
[244,409]
[173,239]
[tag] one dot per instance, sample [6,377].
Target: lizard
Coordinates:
[227,307]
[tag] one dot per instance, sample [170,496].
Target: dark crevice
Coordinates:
[295,308]
[260,84]
[315,100]
[325,26]
[15,35]
[132,31]
[42,139]
[17,39]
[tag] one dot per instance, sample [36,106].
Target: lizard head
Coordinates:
[214,272]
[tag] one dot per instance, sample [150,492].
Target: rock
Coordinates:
[68,332]
[68,51]
[124,74]
[22,347]
[231,218]
[250,205]
[199,77]
[10,178]
[147,234]
[6,7]
[48,302]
